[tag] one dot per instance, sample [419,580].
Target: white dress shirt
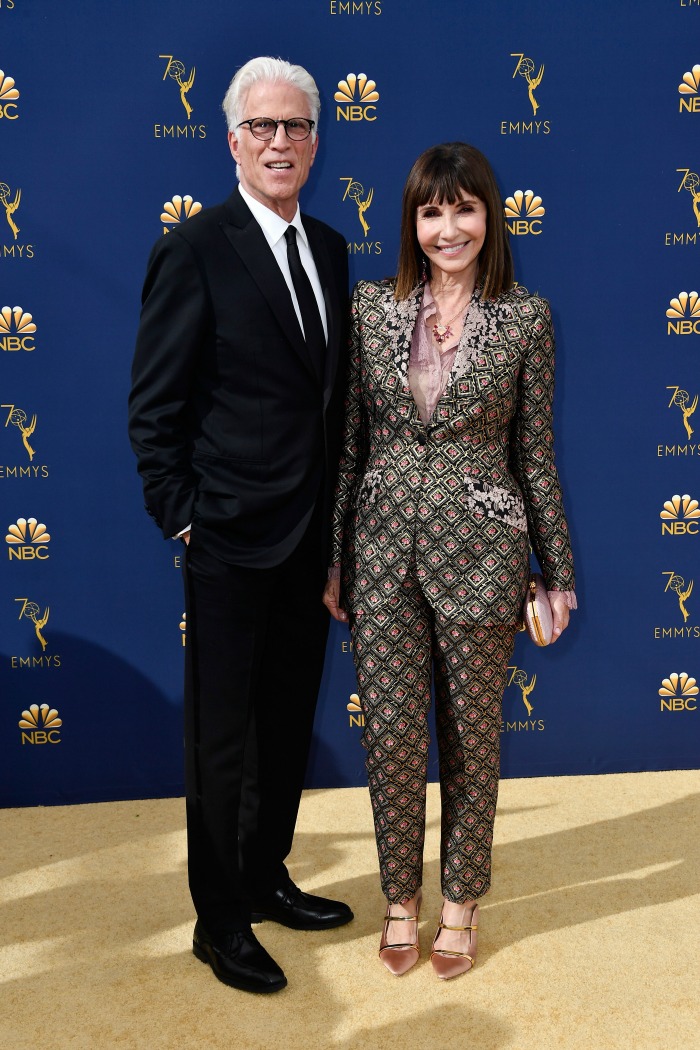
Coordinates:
[274,227]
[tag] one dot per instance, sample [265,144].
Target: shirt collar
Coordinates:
[273,225]
[427,306]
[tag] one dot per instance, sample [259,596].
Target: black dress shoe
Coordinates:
[239,960]
[291,907]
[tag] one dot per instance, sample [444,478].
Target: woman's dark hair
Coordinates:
[441,175]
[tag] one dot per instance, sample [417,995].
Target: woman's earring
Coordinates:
[423,271]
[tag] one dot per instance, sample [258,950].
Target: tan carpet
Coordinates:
[589,938]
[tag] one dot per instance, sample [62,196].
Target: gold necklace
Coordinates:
[441,332]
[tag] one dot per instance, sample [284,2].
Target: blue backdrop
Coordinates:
[111,131]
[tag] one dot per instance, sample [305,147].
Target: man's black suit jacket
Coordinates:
[233,430]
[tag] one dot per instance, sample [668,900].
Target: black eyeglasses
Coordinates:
[265,128]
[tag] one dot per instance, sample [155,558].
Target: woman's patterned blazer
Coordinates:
[466,494]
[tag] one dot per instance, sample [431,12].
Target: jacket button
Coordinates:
[421,439]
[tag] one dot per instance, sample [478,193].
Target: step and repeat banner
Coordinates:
[111,133]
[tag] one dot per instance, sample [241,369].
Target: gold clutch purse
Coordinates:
[537,612]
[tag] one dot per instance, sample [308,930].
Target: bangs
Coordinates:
[444,183]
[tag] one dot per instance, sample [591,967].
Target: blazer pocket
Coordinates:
[494,501]
[245,455]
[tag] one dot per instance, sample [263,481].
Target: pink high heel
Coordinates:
[448,964]
[399,958]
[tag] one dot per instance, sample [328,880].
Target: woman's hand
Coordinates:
[560,614]
[331,600]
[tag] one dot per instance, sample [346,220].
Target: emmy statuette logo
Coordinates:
[677,584]
[691,183]
[17,329]
[356,718]
[524,210]
[10,200]
[17,417]
[176,71]
[525,685]
[183,628]
[683,408]
[689,90]
[525,68]
[27,540]
[178,210]
[8,97]
[680,517]
[362,199]
[355,191]
[10,203]
[356,96]
[679,692]
[31,611]
[40,724]
[681,401]
[684,314]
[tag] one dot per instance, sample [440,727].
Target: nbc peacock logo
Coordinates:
[178,210]
[689,91]
[679,692]
[355,711]
[17,330]
[680,516]
[27,540]
[356,97]
[40,724]
[684,314]
[523,213]
[9,95]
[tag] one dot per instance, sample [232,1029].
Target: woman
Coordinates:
[447,477]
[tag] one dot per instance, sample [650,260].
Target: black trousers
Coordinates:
[256,643]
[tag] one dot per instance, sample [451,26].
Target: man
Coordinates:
[234,418]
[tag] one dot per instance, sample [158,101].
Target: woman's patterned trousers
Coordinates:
[395,650]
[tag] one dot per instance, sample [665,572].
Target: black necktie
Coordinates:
[310,316]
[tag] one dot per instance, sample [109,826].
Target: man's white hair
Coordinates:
[270,70]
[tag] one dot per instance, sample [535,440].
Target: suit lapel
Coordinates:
[400,322]
[319,250]
[248,240]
